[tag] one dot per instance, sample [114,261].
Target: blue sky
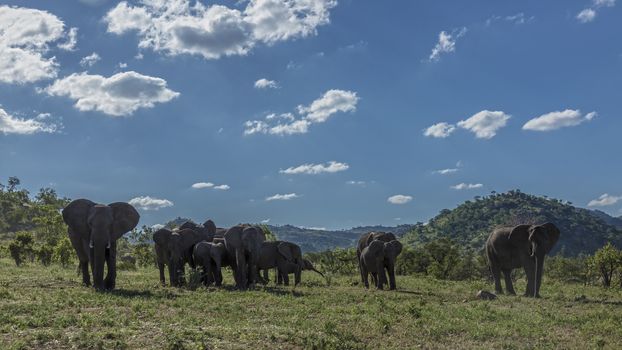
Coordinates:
[317,113]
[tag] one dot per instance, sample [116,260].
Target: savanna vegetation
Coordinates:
[44,305]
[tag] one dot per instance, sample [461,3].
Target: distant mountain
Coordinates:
[610,220]
[582,230]
[313,240]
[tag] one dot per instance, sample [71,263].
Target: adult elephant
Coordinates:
[208,228]
[373,259]
[175,248]
[243,243]
[285,256]
[523,246]
[389,259]
[94,230]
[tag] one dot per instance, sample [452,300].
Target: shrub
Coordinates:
[567,269]
[21,247]
[44,254]
[63,252]
[605,263]
[144,254]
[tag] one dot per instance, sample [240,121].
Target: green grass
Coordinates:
[48,308]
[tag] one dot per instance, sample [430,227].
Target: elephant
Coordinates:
[209,256]
[175,248]
[208,228]
[94,230]
[243,243]
[523,246]
[389,257]
[306,266]
[285,256]
[373,261]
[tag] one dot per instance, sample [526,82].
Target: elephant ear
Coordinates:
[125,218]
[76,214]
[376,248]
[162,236]
[395,247]
[188,225]
[210,227]
[519,236]
[371,236]
[285,250]
[552,236]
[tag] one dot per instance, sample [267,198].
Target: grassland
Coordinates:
[46,307]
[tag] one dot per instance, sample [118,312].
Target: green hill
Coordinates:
[583,231]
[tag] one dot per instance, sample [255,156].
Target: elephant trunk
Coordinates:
[538,275]
[321,274]
[99,260]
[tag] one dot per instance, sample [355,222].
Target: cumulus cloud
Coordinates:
[157,227]
[222,187]
[558,119]
[439,130]
[446,171]
[264,83]
[604,200]
[589,14]
[282,197]
[446,43]
[13,125]
[184,27]
[25,39]
[485,124]
[265,221]
[149,203]
[119,95]
[399,199]
[90,60]
[314,169]
[201,185]
[319,111]
[465,186]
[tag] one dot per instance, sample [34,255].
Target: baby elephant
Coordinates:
[373,260]
[209,256]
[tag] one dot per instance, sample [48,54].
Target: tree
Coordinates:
[605,263]
[22,247]
[63,252]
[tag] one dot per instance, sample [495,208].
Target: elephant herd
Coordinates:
[95,228]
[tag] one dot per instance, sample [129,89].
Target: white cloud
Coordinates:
[331,102]
[201,185]
[604,200]
[518,18]
[439,130]
[265,221]
[485,124]
[320,110]
[282,197]
[13,125]
[157,227]
[72,40]
[122,65]
[558,119]
[330,167]
[465,186]
[90,60]
[587,15]
[446,43]
[264,83]
[25,38]
[119,95]
[399,199]
[222,187]
[181,27]
[446,171]
[149,203]
[357,183]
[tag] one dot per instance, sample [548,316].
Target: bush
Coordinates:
[567,269]
[144,254]
[338,262]
[21,248]
[63,252]
[605,264]
[44,254]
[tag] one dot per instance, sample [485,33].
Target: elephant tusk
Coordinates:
[91,244]
[108,245]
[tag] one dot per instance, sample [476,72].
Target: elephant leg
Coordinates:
[172,280]
[241,269]
[111,261]
[364,276]
[508,282]
[530,274]
[297,276]
[208,274]
[285,276]
[496,275]
[278,277]
[81,249]
[382,278]
[161,268]
[218,275]
[391,271]
[86,278]
[266,276]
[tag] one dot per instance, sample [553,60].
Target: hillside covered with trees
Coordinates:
[583,231]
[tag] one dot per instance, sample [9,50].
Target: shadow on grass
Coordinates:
[128,293]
